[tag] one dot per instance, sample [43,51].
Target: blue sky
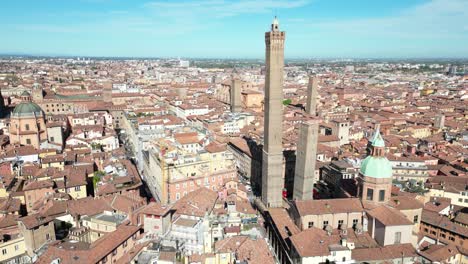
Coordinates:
[235,29]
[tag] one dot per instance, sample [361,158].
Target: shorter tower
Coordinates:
[236,99]
[182,93]
[107,93]
[375,179]
[439,121]
[311,105]
[37,93]
[341,130]
[306,157]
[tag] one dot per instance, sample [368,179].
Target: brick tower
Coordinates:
[272,165]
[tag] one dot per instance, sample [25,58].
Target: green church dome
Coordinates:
[376,167]
[26,109]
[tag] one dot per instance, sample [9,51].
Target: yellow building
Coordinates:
[459,198]
[102,223]
[3,191]
[12,248]
[428,91]
[75,190]
[56,161]
[419,131]
[47,152]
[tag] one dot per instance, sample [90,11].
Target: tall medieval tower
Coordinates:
[272,165]
[235,93]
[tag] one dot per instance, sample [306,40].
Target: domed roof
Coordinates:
[26,109]
[376,167]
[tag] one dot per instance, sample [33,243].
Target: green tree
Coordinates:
[97,177]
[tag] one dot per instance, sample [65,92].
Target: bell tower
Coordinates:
[375,177]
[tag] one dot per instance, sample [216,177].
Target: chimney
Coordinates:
[329,230]
[130,213]
[77,221]
[343,241]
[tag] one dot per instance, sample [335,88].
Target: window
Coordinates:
[28,141]
[27,127]
[16,247]
[460,200]
[426,230]
[451,238]
[340,223]
[355,222]
[443,236]
[370,194]
[325,223]
[397,237]
[77,188]
[177,186]
[177,196]
[466,200]
[4,251]
[311,224]
[47,236]
[415,219]
[381,195]
[125,244]
[114,252]
[52,139]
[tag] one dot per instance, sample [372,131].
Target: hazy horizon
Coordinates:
[229,29]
